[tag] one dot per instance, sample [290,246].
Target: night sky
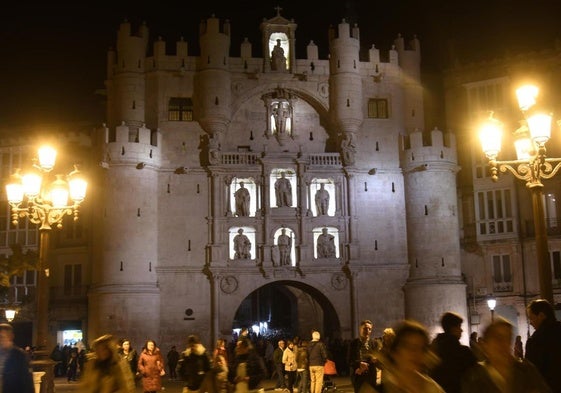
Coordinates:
[54,53]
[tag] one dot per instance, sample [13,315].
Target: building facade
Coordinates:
[497,225]
[227,187]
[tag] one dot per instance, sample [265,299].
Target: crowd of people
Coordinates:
[403,360]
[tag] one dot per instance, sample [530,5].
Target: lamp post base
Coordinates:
[42,362]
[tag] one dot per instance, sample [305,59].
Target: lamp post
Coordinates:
[44,201]
[491,303]
[532,166]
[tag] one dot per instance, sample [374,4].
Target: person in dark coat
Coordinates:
[16,377]
[173,359]
[454,357]
[362,357]
[279,367]
[194,363]
[543,348]
[127,352]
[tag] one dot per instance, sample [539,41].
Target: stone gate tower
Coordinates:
[232,182]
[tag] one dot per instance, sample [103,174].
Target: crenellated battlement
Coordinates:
[423,146]
[130,143]
[132,49]
[413,45]
[344,31]
[212,26]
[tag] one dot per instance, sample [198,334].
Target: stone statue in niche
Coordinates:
[242,246]
[242,199]
[325,245]
[322,200]
[348,148]
[282,120]
[278,60]
[284,243]
[283,191]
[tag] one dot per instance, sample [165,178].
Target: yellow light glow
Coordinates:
[14,189]
[540,127]
[78,186]
[32,184]
[527,95]
[47,157]
[59,193]
[490,135]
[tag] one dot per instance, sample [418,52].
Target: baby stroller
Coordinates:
[329,370]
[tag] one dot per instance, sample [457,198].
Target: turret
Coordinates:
[409,59]
[345,98]
[429,163]
[126,86]
[213,79]
[126,275]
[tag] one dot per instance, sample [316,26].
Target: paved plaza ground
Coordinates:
[342,385]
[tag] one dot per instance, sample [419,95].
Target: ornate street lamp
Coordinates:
[491,303]
[10,314]
[45,202]
[532,165]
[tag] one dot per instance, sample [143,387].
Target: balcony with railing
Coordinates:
[252,158]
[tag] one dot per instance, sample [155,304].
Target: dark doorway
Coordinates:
[288,308]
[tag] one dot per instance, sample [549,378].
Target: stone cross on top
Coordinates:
[278,9]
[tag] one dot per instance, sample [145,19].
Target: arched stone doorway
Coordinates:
[288,308]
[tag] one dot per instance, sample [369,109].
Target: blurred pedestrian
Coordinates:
[194,364]
[14,365]
[501,372]
[105,370]
[409,353]
[248,369]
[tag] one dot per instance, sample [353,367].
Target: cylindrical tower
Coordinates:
[126,79]
[410,62]
[345,85]
[212,82]
[435,283]
[124,292]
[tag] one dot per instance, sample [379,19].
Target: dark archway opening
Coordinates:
[288,309]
